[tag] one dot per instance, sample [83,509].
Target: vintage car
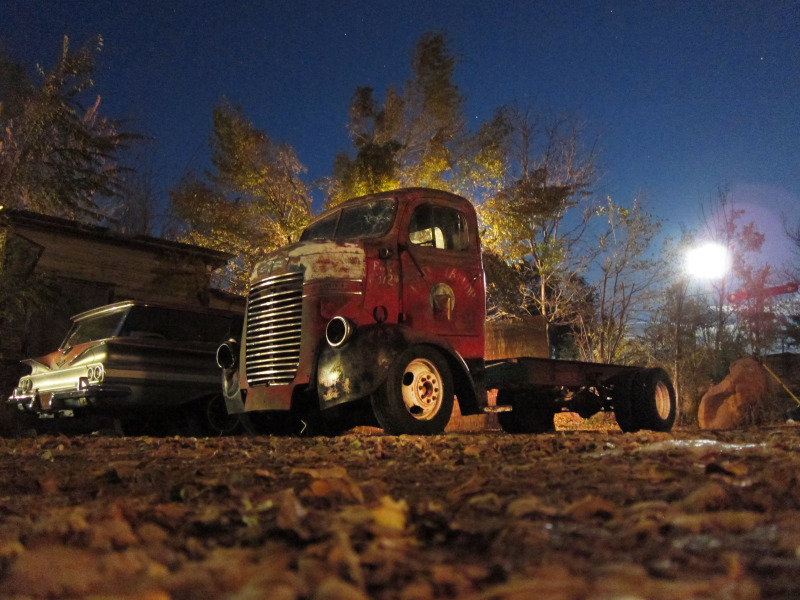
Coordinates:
[149,367]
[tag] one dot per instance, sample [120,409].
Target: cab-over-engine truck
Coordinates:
[376,316]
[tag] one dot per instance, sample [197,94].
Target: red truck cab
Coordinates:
[389,278]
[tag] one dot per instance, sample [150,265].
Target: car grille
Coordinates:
[274,322]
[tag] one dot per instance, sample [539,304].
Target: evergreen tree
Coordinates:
[412,138]
[57,155]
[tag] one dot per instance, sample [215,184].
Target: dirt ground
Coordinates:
[488,515]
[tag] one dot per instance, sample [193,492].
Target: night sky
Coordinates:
[687,96]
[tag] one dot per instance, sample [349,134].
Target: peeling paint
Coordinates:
[320,260]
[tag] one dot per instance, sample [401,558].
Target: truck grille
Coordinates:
[274,321]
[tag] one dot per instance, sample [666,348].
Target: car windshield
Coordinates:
[364,220]
[98,327]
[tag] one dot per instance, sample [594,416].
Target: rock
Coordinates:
[728,404]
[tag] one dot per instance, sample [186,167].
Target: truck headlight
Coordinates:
[338,331]
[228,354]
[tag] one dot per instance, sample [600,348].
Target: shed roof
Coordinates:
[31,220]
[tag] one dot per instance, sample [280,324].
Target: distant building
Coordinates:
[77,266]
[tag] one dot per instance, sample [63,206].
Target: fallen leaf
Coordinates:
[473,485]
[326,473]
[590,506]
[727,520]
[344,487]
[711,496]
[292,514]
[391,514]
[336,589]
[529,505]
[49,484]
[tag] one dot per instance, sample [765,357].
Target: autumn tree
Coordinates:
[411,138]
[538,220]
[252,201]
[57,153]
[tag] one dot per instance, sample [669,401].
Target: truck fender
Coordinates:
[356,369]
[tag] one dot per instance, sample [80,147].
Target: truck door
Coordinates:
[442,271]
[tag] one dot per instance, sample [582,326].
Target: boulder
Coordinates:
[732,402]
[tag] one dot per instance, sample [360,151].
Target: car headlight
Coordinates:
[25,385]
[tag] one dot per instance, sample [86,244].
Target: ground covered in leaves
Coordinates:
[490,516]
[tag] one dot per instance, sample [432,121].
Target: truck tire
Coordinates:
[531,412]
[417,396]
[623,403]
[653,405]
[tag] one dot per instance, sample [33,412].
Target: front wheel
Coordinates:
[417,396]
[215,419]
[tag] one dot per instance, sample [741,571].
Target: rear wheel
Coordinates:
[417,396]
[653,403]
[623,402]
[531,412]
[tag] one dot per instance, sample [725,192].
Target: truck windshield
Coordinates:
[365,220]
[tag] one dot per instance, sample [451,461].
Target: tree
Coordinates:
[15,89]
[680,330]
[57,155]
[538,220]
[624,287]
[791,330]
[723,225]
[409,140]
[251,203]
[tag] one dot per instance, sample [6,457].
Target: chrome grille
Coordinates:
[274,322]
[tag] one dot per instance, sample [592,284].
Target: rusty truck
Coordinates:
[376,316]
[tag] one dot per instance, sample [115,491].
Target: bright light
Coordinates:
[709,261]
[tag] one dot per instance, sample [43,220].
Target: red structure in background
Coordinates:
[778,290]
